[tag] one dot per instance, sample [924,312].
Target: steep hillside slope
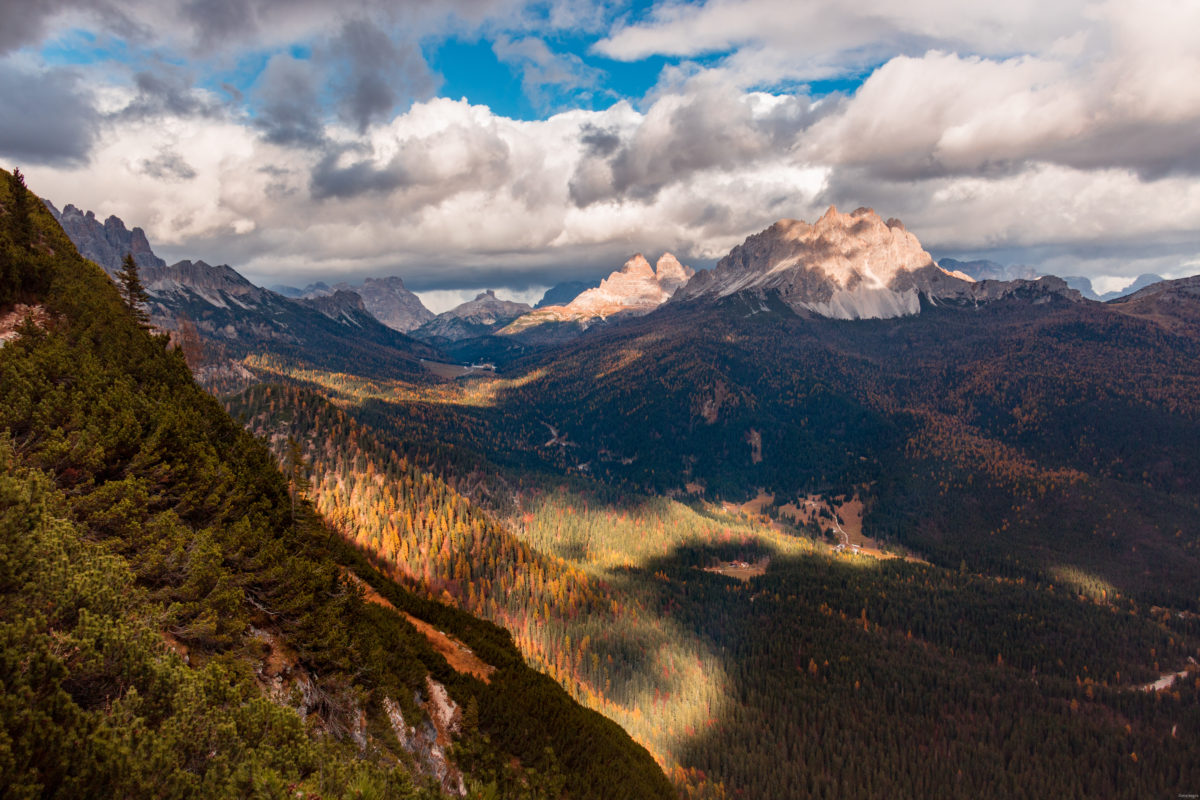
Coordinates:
[1175,305]
[176,621]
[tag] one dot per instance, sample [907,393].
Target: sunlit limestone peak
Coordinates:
[845,266]
[635,287]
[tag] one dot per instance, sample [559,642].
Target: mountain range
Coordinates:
[843,266]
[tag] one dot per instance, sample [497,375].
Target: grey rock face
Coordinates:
[386,299]
[106,244]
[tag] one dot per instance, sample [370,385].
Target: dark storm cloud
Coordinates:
[286,100]
[216,21]
[167,165]
[25,22]
[375,72]
[47,117]
[1154,151]
[168,91]
[599,142]
[332,180]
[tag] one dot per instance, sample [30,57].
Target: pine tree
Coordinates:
[132,291]
[22,222]
[297,474]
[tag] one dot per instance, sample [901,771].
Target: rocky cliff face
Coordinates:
[105,243]
[850,266]
[341,306]
[204,280]
[390,302]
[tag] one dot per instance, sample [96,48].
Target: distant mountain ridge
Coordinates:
[984,269]
[234,318]
[1084,287]
[479,317]
[386,299]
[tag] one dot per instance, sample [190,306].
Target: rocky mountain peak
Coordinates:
[670,274]
[635,287]
[847,266]
[387,299]
[638,267]
[390,302]
[477,317]
[633,290]
[107,243]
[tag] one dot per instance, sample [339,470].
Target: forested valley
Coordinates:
[940,680]
[789,557]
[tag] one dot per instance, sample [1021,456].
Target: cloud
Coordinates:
[819,37]
[286,104]
[204,28]
[434,152]
[1044,133]
[563,73]
[23,24]
[375,72]
[166,90]
[48,116]
[708,125]
[168,166]
[599,142]
[945,114]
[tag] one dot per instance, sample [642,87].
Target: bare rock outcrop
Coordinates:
[105,243]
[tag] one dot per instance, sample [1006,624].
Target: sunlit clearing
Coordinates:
[604,536]
[1085,583]
[477,392]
